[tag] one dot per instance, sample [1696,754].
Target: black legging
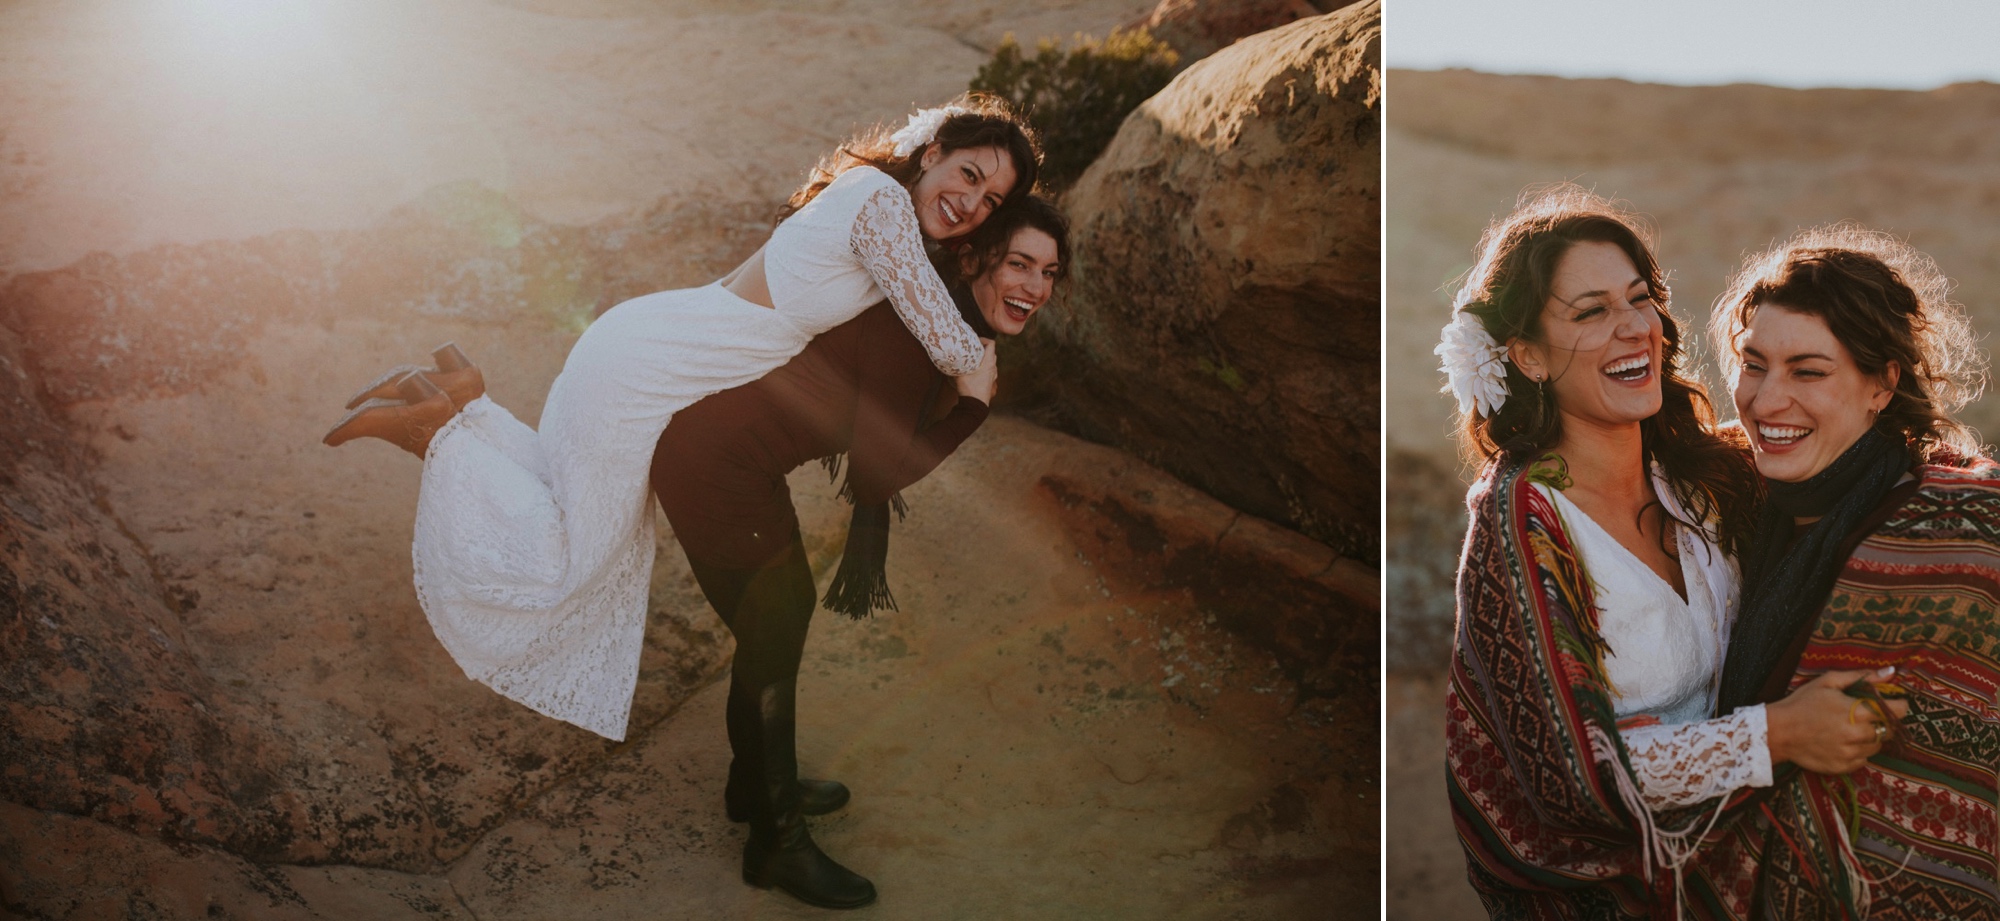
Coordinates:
[768,609]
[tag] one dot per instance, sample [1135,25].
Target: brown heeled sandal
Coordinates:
[454,373]
[408,421]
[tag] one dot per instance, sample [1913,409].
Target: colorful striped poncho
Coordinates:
[1914,833]
[1542,790]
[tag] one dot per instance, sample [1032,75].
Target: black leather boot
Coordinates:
[816,797]
[780,851]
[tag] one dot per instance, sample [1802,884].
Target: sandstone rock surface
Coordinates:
[205,650]
[1199,28]
[1222,321]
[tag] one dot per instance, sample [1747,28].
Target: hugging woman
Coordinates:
[865,390]
[534,548]
[1879,548]
[1598,586]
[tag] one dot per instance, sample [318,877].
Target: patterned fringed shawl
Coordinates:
[1541,788]
[1913,834]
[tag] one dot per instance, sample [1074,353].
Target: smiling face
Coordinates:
[959,188]
[1019,281]
[1802,398]
[1601,339]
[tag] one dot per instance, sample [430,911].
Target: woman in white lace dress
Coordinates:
[534,550]
[1598,583]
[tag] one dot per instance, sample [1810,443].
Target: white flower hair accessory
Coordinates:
[922,128]
[1473,363]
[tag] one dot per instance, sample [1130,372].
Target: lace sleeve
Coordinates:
[1685,763]
[886,238]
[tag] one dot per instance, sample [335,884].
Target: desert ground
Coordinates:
[1722,172]
[265,204]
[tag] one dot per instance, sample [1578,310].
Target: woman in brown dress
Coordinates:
[867,390]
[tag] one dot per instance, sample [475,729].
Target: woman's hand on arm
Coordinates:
[984,381]
[1820,728]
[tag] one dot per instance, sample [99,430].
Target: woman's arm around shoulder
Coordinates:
[887,240]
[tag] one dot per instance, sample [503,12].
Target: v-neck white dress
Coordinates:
[1665,661]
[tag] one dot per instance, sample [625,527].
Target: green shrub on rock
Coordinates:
[1077,97]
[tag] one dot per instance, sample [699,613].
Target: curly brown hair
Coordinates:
[1507,289]
[988,121]
[987,244]
[1887,304]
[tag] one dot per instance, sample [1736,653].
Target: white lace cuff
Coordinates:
[1685,763]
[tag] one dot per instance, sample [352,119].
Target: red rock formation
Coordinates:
[1223,318]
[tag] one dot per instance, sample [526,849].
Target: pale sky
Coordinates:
[1900,44]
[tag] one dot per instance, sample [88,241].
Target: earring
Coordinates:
[1541,405]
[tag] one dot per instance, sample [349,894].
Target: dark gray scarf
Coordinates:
[1786,582]
[861,584]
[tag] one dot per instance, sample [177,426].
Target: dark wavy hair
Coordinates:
[987,245]
[1507,288]
[988,121]
[1886,303]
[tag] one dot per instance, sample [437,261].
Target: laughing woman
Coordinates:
[1597,588]
[1880,548]
[865,390]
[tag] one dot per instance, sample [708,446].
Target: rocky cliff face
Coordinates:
[1222,321]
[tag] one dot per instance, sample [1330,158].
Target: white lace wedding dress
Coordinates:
[1666,662]
[534,551]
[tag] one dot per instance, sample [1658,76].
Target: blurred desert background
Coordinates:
[1135,670]
[1722,171]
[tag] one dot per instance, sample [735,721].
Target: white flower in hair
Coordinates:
[922,128]
[1473,364]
